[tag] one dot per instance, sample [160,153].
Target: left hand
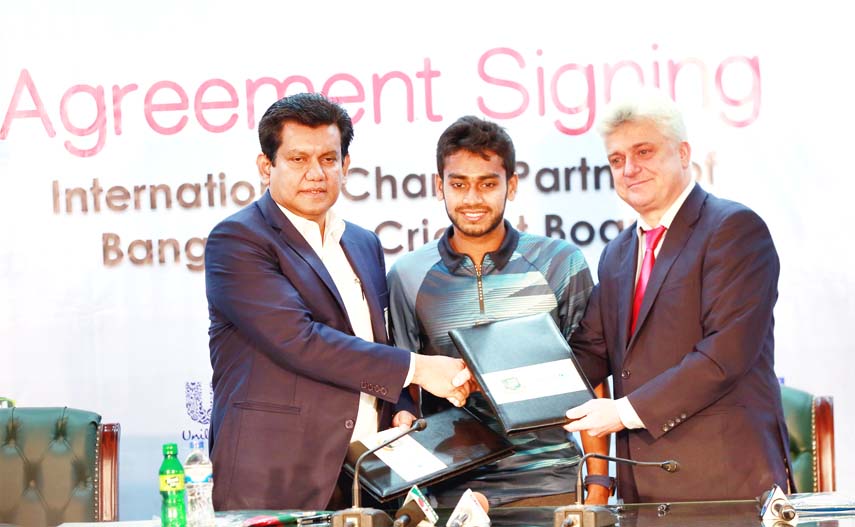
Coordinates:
[466,384]
[403,419]
[598,417]
[443,376]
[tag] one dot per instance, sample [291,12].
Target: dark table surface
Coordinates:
[686,514]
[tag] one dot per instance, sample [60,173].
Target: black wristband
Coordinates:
[603,481]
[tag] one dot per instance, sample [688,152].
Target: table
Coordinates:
[686,514]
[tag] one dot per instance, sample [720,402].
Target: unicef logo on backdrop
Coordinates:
[198,408]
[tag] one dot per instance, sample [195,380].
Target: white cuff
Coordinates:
[412,371]
[627,414]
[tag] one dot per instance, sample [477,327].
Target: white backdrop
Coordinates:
[101,100]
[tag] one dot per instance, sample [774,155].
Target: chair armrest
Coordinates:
[108,472]
[823,407]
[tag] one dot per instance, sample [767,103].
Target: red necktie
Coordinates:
[651,240]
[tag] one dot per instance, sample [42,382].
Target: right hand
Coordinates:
[444,377]
[597,417]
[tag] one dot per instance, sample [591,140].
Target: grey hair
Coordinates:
[645,105]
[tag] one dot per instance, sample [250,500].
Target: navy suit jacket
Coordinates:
[288,370]
[699,370]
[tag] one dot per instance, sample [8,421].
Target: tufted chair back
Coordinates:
[57,465]
[810,421]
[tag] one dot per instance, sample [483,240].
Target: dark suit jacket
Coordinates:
[287,369]
[699,370]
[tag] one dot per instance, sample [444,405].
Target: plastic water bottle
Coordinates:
[172,511]
[199,477]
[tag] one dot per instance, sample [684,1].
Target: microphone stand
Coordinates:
[358,516]
[581,515]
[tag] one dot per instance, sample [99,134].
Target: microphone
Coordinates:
[668,466]
[776,507]
[580,515]
[357,516]
[470,511]
[786,511]
[409,514]
[415,509]
[418,426]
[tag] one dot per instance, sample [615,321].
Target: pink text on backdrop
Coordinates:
[572,90]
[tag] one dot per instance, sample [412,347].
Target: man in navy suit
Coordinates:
[296,299]
[690,343]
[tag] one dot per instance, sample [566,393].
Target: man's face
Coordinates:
[475,191]
[650,170]
[309,170]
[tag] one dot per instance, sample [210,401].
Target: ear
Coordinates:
[263,165]
[685,154]
[512,186]
[345,165]
[437,180]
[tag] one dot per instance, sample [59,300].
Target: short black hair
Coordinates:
[478,136]
[309,109]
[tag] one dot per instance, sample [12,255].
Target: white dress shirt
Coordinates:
[628,416]
[332,255]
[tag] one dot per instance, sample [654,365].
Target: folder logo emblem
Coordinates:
[512,383]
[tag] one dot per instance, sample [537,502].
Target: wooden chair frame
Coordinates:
[823,439]
[107,485]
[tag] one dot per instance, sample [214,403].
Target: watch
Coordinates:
[603,481]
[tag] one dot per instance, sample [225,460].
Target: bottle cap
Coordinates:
[170,449]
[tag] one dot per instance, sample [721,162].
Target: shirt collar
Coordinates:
[671,213]
[500,257]
[309,229]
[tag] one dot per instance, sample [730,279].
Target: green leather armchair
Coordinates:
[810,421]
[57,465]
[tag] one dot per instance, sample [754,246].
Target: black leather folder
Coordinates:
[454,436]
[526,370]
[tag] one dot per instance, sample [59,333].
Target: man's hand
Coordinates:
[597,417]
[444,377]
[403,419]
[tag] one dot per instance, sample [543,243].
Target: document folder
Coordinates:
[453,442]
[526,370]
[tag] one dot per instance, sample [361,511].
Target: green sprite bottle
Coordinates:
[172,509]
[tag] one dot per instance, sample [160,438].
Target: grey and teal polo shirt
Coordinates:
[434,289]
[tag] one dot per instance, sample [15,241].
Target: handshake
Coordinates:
[445,377]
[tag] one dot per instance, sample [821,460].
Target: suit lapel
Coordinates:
[628,260]
[361,259]
[289,234]
[675,240]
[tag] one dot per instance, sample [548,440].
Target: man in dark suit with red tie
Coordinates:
[682,320]
[296,299]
